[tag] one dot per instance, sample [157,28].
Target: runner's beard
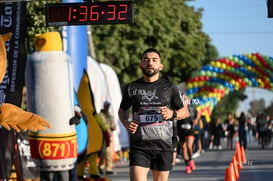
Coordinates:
[149,73]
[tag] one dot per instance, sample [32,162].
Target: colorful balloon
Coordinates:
[212,82]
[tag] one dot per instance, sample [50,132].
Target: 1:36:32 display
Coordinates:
[95,13]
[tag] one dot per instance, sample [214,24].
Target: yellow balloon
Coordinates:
[223,66]
[201,83]
[218,97]
[194,84]
[249,56]
[212,63]
[254,58]
[248,68]
[261,84]
[232,82]
[189,85]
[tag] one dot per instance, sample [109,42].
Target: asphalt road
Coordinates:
[211,166]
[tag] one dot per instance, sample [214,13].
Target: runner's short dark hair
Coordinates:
[149,50]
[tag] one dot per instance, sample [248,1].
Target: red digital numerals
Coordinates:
[95,13]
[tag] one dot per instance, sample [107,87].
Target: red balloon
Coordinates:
[232,63]
[195,78]
[201,78]
[226,61]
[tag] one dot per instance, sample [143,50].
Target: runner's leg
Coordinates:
[160,175]
[138,173]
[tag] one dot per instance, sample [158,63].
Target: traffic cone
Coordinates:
[243,156]
[238,161]
[229,176]
[234,165]
[238,156]
[238,148]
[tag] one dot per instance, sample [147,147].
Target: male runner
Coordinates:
[155,103]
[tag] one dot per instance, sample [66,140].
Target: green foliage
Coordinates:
[256,106]
[229,103]
[170,26]
[36,23]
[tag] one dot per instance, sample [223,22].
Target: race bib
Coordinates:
[150,115]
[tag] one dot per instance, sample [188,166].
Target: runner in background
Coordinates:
[185,133]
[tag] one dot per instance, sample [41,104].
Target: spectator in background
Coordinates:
[250,128]
[230,121]
[106,157]
[205,134]
[211,129]
[217,132]
[262,123]
[269,132]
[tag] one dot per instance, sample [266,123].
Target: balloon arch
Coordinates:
[208,85]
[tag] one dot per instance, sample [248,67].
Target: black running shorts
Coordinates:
[184,134]
[155,160]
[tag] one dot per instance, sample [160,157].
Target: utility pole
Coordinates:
[91,47]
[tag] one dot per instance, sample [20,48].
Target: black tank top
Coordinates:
[153,132]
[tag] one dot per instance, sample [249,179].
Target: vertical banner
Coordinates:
[12,19]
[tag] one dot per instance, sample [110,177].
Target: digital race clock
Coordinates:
[110,12]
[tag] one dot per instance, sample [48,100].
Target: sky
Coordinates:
[239,27]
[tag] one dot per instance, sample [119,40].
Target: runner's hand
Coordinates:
[132,127]
[166,112]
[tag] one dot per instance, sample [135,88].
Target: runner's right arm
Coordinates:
[131,126]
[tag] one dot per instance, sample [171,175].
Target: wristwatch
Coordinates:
[174,114]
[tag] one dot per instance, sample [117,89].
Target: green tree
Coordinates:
[256,106]
[36,23]
[170,26]
[229,103]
